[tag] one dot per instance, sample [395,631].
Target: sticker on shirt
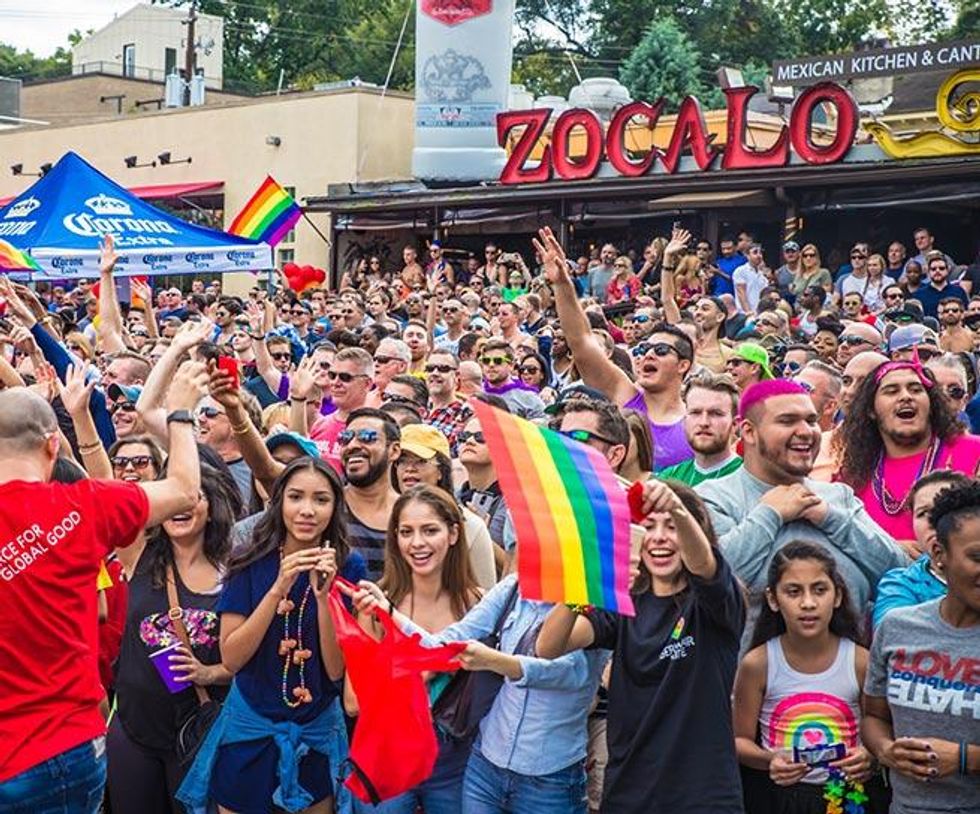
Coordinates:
[157,630]
[931,681]
[679,645]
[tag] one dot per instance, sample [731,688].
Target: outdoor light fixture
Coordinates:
[18,169]
[165,159]
[273,141]
[132,162]
[45,168]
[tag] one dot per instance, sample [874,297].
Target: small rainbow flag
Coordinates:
[269,214]
[13,259]
[570,513]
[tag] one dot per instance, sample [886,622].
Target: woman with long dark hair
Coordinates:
[428,578]
[673,665]
[281,730]
[798,691]
[190,551]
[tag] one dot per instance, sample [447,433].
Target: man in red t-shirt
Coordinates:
[52,538]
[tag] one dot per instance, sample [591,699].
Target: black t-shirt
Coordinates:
[150,714]
[670,736]
[369,543]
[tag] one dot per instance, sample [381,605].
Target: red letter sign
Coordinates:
[738,156]
[847,122]
[453,12]
[690,129]
[564,166]
[515,171]
[616,138]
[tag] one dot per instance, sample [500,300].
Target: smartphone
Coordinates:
[229,365]
[819,755]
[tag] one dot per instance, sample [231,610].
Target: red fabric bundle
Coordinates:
[394,746]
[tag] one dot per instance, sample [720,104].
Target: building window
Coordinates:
[129,60]
[285,256]
[169,61]
[291,234]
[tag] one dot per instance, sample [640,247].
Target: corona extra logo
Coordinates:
[102,204]
[23,208]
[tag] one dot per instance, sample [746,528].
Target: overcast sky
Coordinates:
[43,26]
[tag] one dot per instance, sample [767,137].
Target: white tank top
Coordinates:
[805,710]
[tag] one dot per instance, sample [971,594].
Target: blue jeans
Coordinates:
[488,789]
[69,783]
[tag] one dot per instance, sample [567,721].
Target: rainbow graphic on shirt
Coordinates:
[811,719]
[678,629]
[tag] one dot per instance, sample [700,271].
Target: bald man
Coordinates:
[52,538]
[858,337]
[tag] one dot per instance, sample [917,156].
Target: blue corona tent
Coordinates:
[60,220]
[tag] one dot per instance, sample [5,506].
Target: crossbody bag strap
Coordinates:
[176,615]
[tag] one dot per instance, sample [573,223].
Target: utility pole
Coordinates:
[189,55]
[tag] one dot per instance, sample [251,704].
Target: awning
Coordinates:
[161,192]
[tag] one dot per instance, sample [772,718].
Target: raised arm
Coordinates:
[563,631]
[75,395]
[597,371]
[179,491]
[139,288]
[258,319]
[301,388]
[149,405]
[668,290]
[695,550]
[110,329]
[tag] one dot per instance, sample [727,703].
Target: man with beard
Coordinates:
[601,273]
[497,360]
[900,427]
[659,364]
[857,337]
[731,258]
[369,444]
[955,336]
[770,501]
[447,412]
[439,270]
[939,287]
[711,402]
[348,378]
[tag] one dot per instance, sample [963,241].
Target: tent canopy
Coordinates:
[61,219]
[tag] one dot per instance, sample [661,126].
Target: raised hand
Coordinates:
[107,254]
[256,318]
[47,380]
[75,392]
[192,334]
[189,386]
[141,289]
[679,239]
[301,381]
[15,304]
[554,262]
[24,340]
[658,497]
[222,388]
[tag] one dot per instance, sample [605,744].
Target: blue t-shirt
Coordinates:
[260,680]
[902,587]
[725,285]
[930,297]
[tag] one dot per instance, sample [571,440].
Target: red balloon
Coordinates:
[319,275]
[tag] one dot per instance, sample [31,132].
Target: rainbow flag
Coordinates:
[570,513]
[13,259]
[269,214]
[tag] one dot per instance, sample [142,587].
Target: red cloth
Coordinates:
[386,676]
[111,630]
[52,537]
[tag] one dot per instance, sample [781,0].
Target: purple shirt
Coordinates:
[670,445]
[326,406]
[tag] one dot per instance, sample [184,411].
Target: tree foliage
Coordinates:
[663,64]
[24,65]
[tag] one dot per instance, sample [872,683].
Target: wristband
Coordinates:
[83,448]
[180,417]
[964,752]
[579,608]
[240,429]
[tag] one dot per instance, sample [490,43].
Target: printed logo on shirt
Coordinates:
[677,647]
[157,630]
[930,681]
[31,544]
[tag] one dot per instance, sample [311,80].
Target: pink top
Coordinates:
[961,454]
[324,432]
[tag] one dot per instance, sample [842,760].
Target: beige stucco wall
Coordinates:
[326,138]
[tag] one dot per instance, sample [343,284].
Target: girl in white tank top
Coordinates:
[797,695]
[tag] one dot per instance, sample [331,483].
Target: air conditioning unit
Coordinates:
[173,91]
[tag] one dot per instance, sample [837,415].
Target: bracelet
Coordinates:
[290,400]
[240,429]
[83,448]
[579,608]
[964,753]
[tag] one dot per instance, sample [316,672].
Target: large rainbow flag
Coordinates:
[571,515]
[269,214]
[13,259]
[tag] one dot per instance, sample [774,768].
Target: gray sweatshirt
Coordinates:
[750,533]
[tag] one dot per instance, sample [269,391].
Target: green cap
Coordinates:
[757,355]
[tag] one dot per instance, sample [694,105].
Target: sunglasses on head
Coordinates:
[494,360]
[397,398]
[431,368]
[125,406]
[138,462]
[364,436]
[343,375]
[585,436]
[466,436]
[660,349]
[209,412]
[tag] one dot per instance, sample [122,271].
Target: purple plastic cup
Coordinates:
[161,660]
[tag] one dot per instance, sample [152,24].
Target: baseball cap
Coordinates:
[909,336]
[757,355]
[306,446]
[424,441]
[128,392]
[791,246]
[574,391]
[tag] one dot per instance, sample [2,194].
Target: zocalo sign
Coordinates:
[690,133]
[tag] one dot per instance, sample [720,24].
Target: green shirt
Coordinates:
[687,472]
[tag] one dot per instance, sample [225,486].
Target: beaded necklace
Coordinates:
[293,652]
[889,504]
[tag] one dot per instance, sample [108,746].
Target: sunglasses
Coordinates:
[495,360]
[364,436]
[857,256]
[584,436]
[450,309]
[660,349]
[343,375]
[955,392]
[397,398]
[298,312]
[805,385]
[138,462]
[125,406]
[853,341]
[529,369]
[808,254]
[440,369]
[894,296]
[281,356]
[477,437]
[791,368]
[383,360]
[210,412]
[640,319]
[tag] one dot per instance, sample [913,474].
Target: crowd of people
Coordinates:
[189,480]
